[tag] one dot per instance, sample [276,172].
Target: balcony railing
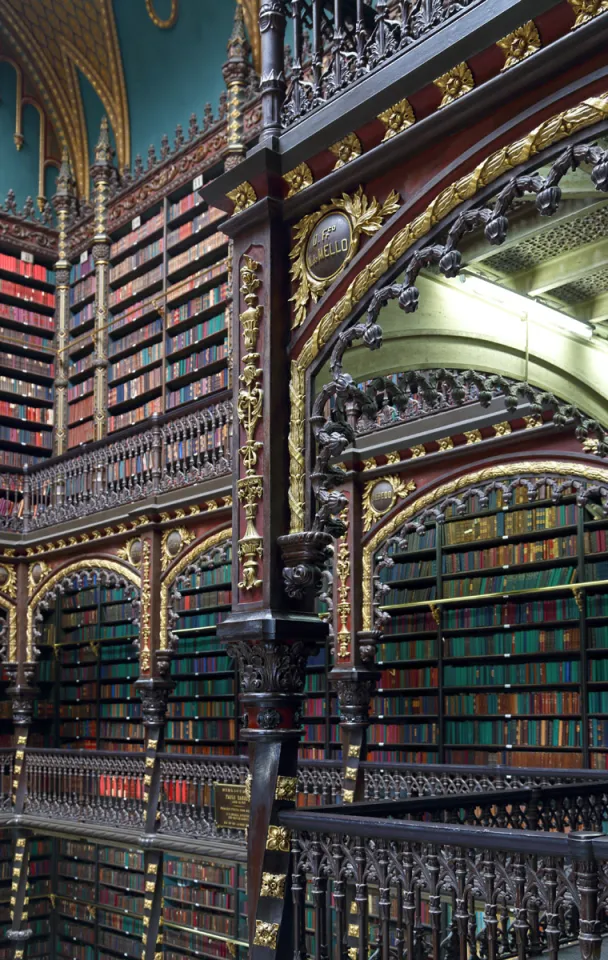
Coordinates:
[156,460]
[336,44]
[187,797]
[388,889]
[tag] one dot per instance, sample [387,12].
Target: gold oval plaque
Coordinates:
[382,497]
[329,246]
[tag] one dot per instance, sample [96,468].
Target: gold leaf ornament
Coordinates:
[242,197]
[347,149]
[455,83]
[397,118]
[365,217]
[298,179]
[586,10]
[522,43]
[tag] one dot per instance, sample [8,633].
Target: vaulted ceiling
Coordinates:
[147,64]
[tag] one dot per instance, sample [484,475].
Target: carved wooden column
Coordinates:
[22,690]
[353,674]
[272,80]
[101,173]
[63,202]
[270,642]
[152,686]
[153,889]
[236,73]
[19,932]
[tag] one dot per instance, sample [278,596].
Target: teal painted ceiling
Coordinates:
[147,64]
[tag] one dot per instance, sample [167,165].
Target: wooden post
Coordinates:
[63,202]
[101,175]
[272,80]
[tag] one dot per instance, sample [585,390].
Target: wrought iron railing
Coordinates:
[336,44]
[155,460]
[6,778]
[187,793]
[389,889]
[85,786]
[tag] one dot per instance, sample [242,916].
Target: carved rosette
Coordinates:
[250,404]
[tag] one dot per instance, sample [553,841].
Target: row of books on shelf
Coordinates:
[45,368]
[28,437]
[78,319]
[542,702]
[136,286]
[516,643]
[136,361]
[520,733]
[202,665]
[197,251]
[122,420]
[192,308]
[142,335]
[405,706]
[151,380]
[474,586]
[136,236]
[143,255]
[504,614]
[200,729]
[410,733]
[19,411]
[30,271]
[202,688]
[11,288]
[510,523]
[513,553]
[197,361]
[107,730]
[554,671]
[197,389]
[24,389]
[83,289]
[198,895]
[178,710]
[211,598]
[28,318]
[196,280]
[101,631]
[82,433]
[191,227]
[82,269]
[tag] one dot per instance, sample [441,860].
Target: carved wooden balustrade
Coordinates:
[392,889]
[334,45]
[163,457]
[87,786]
[187,797]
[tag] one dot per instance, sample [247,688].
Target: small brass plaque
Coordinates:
[329,246]
[231,806]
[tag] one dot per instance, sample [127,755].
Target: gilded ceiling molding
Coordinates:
[169,21]
[550,131]
[587,10]
[53,42]
[562,468]
[520,44]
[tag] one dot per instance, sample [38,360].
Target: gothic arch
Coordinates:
[583,477]
[539,144]
[111,572]
[209,548]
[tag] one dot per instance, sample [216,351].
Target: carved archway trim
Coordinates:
[178,566]
[551,131]
[555,467]
[11,624]
[91,564]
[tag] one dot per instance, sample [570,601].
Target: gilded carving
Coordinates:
[380,496]
[502,429]
[343,591]
[590,445]
[550,131]
[354,750]
[473,436]
[278,839]
[249,407]
[172,544]
[397,118]
[286,788]
[533,421]
[418,451]
[36,574]
[350,773]
[587,10]
[130,551]
[364,217]
[347,149]
[455,83]
[167,22]
[348,796]
[445,443]
[543,467]
[298,179]
[266,934]
[522,43]
[369,464]
[242,197]
[273,885]
[8,580]
[145,659]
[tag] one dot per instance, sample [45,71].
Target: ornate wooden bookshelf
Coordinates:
[495,638]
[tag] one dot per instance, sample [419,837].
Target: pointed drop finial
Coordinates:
[103,150]
[238,45]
